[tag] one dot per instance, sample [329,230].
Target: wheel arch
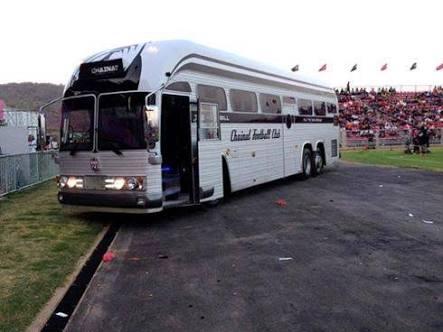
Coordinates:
[305,145]
[227,184]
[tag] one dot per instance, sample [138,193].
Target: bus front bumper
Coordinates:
[109,200]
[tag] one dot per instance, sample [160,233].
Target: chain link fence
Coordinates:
[23,170]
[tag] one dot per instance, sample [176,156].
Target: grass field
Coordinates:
[39,248]
[431,161]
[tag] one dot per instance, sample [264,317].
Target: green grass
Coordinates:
[431,161]
[39,248]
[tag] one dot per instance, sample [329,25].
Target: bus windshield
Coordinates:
[77,124]
[121,121]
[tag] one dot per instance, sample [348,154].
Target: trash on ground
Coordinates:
[410,214]
[428,221]
[108,256]
[61,314]
[285,259]
[134,258]
[281,202]
[161,256]
[380,185]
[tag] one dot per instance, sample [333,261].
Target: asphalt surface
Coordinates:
[357,256]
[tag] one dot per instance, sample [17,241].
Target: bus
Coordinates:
[171,123]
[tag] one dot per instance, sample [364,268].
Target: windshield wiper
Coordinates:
[74,149]
[116,148]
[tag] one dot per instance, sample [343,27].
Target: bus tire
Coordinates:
[318,163]
[307,163]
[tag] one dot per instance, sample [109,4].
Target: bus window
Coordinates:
[77,124]
[319,108]
[212,94]
[208,122]
[243,101]
[289,105]
[179,86]
[304,107]
[332,108]
[121,121]
[270,103]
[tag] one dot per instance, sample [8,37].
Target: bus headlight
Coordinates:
[124,183]
[74,182]
[115,183]
[62,181]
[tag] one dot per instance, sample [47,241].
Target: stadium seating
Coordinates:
[389,113]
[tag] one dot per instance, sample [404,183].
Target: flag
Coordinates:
[384,67]
[439,67]
[414,66]
[354,68]
[295,68]
[322,68]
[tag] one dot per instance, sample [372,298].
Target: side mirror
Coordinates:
[152,125]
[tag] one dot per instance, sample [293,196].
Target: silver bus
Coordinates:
[169,123]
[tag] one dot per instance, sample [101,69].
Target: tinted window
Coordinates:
[304,107]
[209,126]
[332,108]
[243,101]
[212,94]
[289,104]
[120,121]
[77,123]
[270,103]
[179,86]
[319,108]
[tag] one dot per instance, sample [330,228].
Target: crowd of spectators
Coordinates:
[389,113]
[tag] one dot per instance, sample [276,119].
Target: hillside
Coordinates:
[29,96]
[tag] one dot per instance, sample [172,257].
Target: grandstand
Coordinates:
[387,117]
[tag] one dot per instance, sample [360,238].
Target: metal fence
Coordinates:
[23,170]
[349,139]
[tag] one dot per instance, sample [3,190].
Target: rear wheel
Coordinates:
[307,163]
[318,163]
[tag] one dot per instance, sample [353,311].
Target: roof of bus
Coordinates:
[160,57]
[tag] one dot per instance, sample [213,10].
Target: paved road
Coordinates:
[359,261]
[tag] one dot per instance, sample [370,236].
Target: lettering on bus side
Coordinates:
[254,134]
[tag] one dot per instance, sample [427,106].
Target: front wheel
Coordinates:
[307,163]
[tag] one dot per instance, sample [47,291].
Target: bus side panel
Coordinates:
[210,168]
[292,150]
[252,162]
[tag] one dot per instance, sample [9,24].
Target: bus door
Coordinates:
[210,174]
[176,148]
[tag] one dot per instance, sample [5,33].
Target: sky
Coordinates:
[43,41]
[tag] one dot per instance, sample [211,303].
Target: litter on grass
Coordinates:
[285,259]
[428,221]
[61,314]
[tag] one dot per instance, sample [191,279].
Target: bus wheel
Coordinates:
[318,163]
[307,163]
